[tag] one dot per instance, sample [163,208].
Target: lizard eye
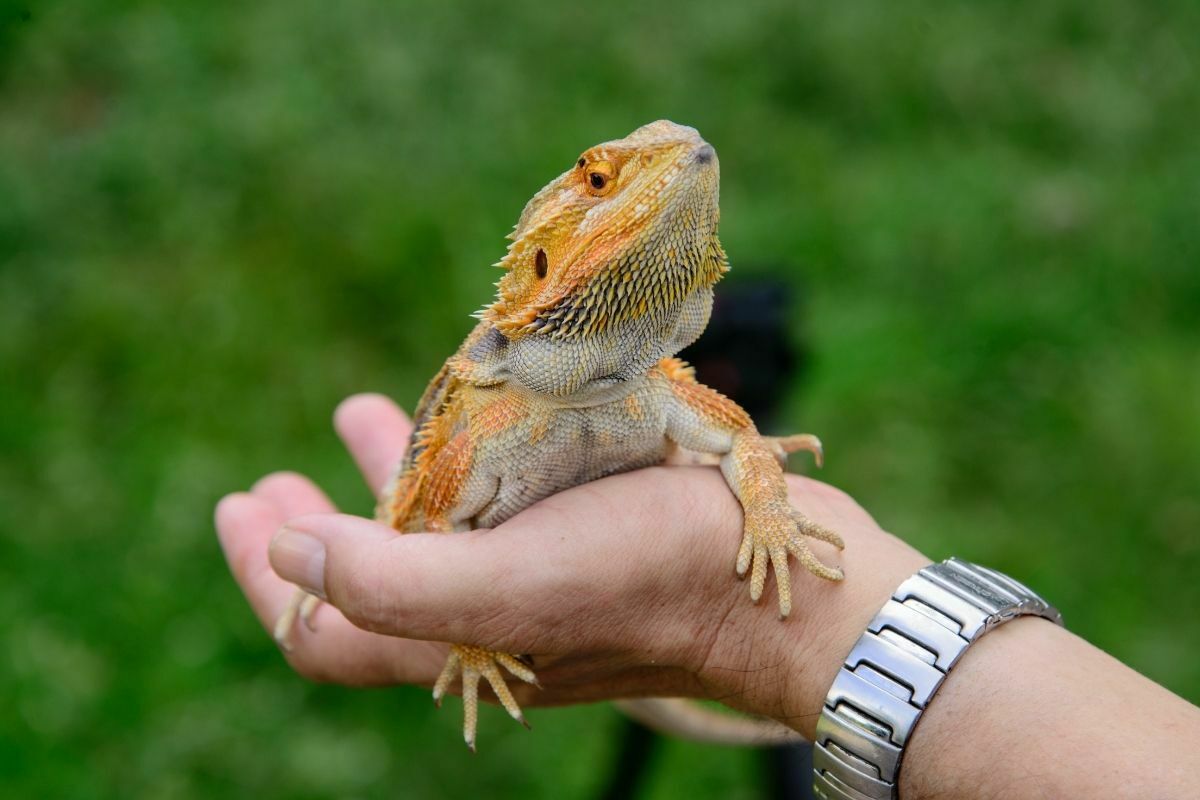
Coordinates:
[600,178]
[541,264]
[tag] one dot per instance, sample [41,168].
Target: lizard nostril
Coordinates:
[704,154]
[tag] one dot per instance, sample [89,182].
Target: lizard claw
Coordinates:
[770,535]
[473,663]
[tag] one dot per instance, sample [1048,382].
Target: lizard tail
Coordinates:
[689,720]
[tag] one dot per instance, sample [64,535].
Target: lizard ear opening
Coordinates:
[541,264]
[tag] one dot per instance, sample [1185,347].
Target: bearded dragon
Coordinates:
[571,375]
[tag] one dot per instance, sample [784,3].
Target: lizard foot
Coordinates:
[772,531]
[474,663]
[301,607]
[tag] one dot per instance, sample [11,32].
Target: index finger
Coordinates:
[376,433]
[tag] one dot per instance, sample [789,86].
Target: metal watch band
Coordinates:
[898,664]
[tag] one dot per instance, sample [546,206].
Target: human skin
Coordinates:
[621,588]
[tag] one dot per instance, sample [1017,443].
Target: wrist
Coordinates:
[838,615]
[782,669]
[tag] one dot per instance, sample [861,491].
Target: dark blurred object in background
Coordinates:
[751,351]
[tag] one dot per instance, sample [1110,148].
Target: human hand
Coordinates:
[622,587]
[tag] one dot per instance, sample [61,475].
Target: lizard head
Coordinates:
[611,265]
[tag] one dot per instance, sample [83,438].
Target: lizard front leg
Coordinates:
[702,419]
[773,529]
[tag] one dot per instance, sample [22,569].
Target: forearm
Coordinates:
[1034,711]
[1031,710]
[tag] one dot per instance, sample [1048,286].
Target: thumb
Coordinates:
[421,585]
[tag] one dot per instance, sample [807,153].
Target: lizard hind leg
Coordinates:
[473,663]
[301,607]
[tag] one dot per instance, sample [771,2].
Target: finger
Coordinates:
[340,652]
[376,433]
[425,586]
[293,494]
[245,524]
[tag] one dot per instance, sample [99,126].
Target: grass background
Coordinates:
[217,219]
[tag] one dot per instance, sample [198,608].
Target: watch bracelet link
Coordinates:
[898,664]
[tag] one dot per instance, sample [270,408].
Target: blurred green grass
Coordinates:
[218,219]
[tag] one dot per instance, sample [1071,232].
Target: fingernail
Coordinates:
[299,558]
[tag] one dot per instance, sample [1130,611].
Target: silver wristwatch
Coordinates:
[898,664]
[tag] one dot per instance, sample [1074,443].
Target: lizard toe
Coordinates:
[474,663]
